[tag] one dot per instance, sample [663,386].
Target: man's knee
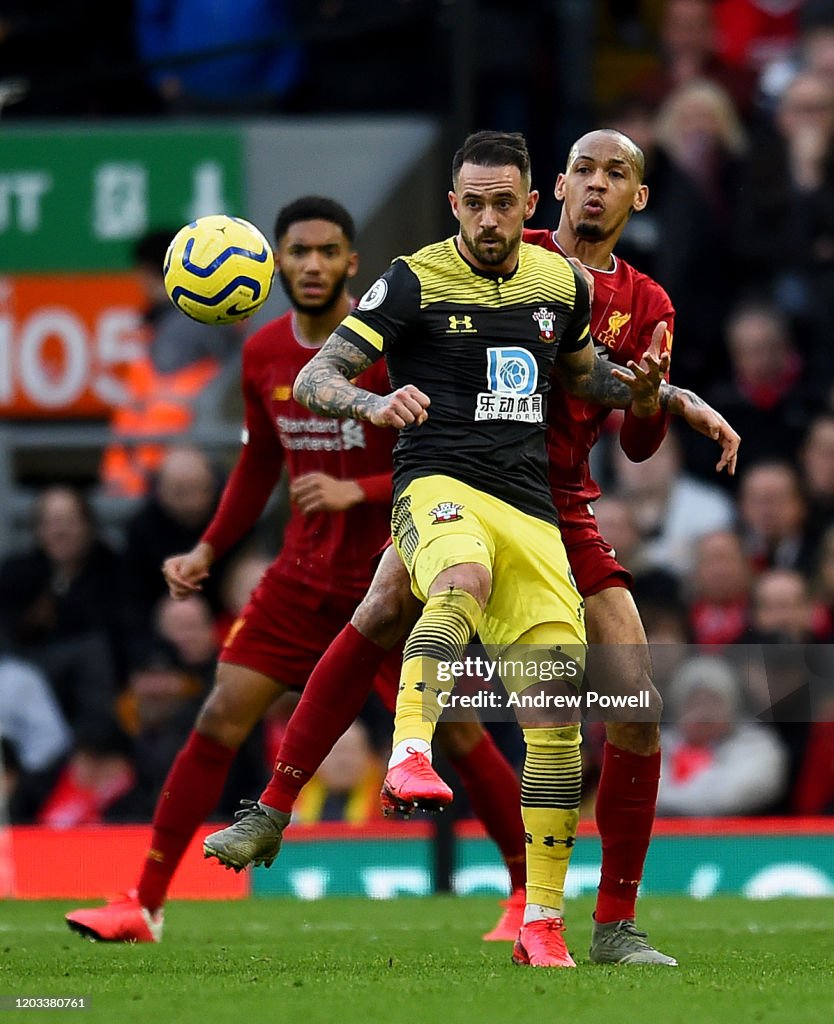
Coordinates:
[387,612]
[642,738]
[230,711]
[457,739]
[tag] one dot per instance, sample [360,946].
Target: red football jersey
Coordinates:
[331,551]
[626,308]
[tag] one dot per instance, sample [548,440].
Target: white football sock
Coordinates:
[538,912]
[405,748]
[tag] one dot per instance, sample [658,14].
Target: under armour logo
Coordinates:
[461,325]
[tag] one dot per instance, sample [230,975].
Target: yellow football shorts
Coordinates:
[439,522]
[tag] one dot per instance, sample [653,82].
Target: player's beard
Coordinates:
[490,257]
[324,305]
[589,231]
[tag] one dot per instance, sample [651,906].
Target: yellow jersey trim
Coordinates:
[444,276]
[367,333]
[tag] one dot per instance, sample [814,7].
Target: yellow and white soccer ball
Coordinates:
[218,269]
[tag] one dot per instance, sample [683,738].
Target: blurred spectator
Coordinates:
[57,606]
[766,400]
[675,241]
[35,735]
[188,626]
[240,579]
[778,685]
[99,773]
[671,509]
[713,763]
[773,518]
[156,711]
[817,462]
[260,75]
[699,131]
[164,385]
[823,580]
[615,519]
[617,523]
[751,33]
[189,630]
[719,589]
[783,610]
[688,50]
[346,786]
[172,519]
[814,51]
[784,231]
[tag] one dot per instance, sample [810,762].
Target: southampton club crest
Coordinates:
[544,318]
[446,512]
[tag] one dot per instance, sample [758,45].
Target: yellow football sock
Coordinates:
[449,621]
[551,788]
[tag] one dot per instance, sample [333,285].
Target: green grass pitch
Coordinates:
[414,961]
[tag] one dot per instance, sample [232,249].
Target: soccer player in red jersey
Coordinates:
[633,318]
[340,488]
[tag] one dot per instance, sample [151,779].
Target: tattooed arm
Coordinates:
[325,386]
[585,375]
[702,417]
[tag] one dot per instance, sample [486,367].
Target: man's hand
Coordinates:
[185,573]
[708,421]
[402,408]
[318,492]
[583,270]
[644,378]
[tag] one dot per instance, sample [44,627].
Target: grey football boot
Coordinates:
[254,838]
[619,942]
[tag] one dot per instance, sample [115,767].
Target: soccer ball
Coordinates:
[218,269]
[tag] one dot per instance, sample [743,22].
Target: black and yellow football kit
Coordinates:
[471,485]
[482,348]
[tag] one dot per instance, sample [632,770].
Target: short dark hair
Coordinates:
[314,208]
[150,249]
[493,149]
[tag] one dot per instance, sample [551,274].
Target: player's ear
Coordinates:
[453,202]
[641,198]
[353,264]
[530,205]
[559,188]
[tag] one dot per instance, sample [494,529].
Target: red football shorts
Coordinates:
[287,626]
[592,559]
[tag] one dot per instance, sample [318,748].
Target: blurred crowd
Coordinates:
[732,102]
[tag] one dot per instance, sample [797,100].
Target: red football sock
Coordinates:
[625,814]
[333,697]
[494,794]
[189,795]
